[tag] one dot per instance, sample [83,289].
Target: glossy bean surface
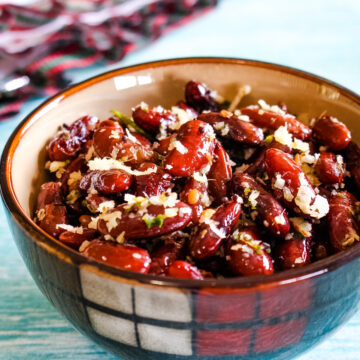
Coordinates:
[214,230]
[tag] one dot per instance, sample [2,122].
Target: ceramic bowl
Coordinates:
[140,316]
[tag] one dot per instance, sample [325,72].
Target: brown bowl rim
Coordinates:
[285,277]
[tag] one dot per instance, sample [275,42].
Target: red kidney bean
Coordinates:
[296,192]
[153,184]
[219,174]
[238,130]
[150,118]
[330,132]
[93,202]
[195,194]
[50,193]
[85,220]
[163,256]
[111,123]
[162,147]
[199,97]
[196,142]
[329,170]
[184,270]
[53,215]
[63,148]
[83,128]
[271,213]
[214,265]
[69,142]
[321,248]
[141,139]
[107,138]
[272,121]
[293,253]
[191,111]
[353,163]
[213,231]
[134,226]
[257,161]
[247,254]
[257,167]
[74,240]
[106,181]
[125,257]
[75,209]
[78,164]
[134,154]
[87,145]
[343,228]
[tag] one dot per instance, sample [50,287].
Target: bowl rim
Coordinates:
[313,270]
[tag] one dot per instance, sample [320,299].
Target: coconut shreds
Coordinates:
[54,166]
[280,219]
[244,118]
[202,178]
[171,212]
[131,137]
[115,134]
[109,164]
[184,211]
[288,196]
[143,106]
[301,225]
[282,136]
[106,206]
[175,144]
[316,207]
[182,117]
[41,214]
[279,182]
[272,108]
[93,223]
[121,238]
[57,167]
[250,245]
[166,199]
[73,229]
[111,219]
[222,127]
[252,198]
[214,227]
[301,145]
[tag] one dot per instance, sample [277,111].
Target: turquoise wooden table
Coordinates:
[317,36]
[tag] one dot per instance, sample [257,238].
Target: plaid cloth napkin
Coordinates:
[40,41]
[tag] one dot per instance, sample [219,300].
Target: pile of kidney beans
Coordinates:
[200,192]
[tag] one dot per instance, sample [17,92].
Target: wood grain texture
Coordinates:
[317,36]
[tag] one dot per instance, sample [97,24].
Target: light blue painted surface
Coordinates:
[317,36]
